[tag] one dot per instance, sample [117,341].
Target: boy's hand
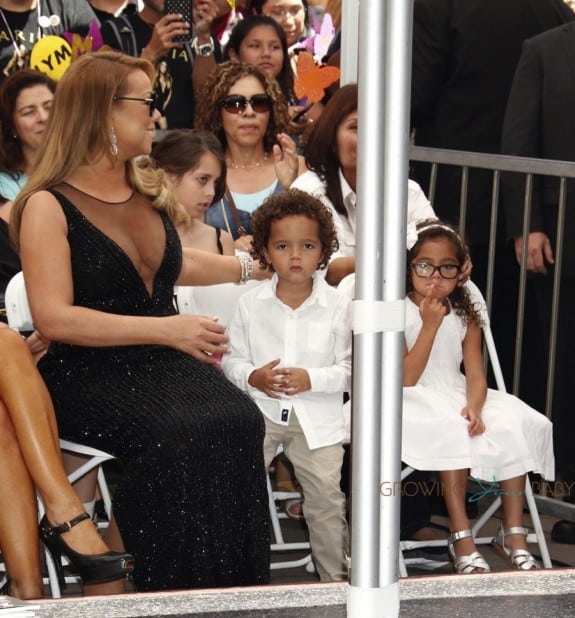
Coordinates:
[295,381]
[268,379]
[476,426]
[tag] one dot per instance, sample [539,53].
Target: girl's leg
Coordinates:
[454,483]
[31,413]
[18,517]
[513,500]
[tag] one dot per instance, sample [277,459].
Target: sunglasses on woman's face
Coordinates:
[150,101]
[237,104]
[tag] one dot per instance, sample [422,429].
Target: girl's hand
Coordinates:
[267,379]
[244,243]
[295,381]
[286,160]
[432,310]
[199,336]
[476,426]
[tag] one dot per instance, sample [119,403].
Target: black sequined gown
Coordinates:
[192,501]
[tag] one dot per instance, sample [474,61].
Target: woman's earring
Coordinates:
[113,143]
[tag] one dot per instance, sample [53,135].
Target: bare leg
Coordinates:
[18,517]
[30,408]
[512,500]
[454,485]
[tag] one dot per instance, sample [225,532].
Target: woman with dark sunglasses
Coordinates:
[96,227]
[247,111]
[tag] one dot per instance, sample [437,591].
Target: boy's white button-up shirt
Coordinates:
[316,336]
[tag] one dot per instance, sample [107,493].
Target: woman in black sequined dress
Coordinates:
[126,373]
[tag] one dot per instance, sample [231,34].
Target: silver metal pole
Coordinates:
[349,29]
[379,312]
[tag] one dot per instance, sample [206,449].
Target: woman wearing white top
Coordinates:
[331,156]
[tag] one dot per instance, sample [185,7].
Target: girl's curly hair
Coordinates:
[289,203]
[217,86]
[459,298]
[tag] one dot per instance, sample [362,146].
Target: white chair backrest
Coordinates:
[218,300]
[17,307]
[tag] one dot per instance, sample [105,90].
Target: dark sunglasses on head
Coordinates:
[150,101]
[237,104]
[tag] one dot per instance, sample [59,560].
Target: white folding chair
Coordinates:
[538,535]
[20,319]
[347,286]
[280,544]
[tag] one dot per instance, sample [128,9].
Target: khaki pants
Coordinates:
[318,472]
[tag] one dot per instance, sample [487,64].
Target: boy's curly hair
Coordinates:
[216,87]
[289,203]
[459,298]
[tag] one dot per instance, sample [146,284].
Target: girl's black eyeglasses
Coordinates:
[150,101]
[425,270]
[237,104]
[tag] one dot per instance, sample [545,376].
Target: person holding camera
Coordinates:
[183,53]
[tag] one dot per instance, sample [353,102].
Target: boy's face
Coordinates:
[294,248]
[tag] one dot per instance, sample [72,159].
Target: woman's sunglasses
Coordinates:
[237,104]
[150,101]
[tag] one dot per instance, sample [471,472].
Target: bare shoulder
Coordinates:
[43,211]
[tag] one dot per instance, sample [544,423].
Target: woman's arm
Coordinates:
[338,268]
[46,262]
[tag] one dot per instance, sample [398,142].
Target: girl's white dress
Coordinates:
[517,438]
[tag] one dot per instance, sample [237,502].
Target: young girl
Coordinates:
[291,351]
[451,421]
[196,171]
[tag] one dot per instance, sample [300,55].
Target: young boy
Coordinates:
[290,344]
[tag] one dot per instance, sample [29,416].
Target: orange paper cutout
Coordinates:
[312,80]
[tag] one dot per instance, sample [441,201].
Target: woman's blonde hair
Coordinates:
[79,132]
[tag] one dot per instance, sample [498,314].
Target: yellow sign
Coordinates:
[52,55]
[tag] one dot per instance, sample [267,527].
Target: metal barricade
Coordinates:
[530,168]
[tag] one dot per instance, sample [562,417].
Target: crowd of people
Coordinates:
[248,183]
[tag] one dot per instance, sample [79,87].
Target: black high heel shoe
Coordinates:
[92,568]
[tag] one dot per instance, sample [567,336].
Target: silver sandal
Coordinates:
[518,558]
[465,565]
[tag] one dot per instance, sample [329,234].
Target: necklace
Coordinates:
[248,166]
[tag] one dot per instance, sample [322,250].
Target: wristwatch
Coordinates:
[205,50]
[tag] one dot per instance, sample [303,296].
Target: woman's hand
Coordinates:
[296,127]
[465,271]
[244,243]
[199,336]
[37,345]
[286,160]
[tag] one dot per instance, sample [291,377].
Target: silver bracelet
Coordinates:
[247,265]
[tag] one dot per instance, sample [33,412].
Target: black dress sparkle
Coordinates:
[192,502]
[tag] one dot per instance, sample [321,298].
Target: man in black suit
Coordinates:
[540,122]
[464,56]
